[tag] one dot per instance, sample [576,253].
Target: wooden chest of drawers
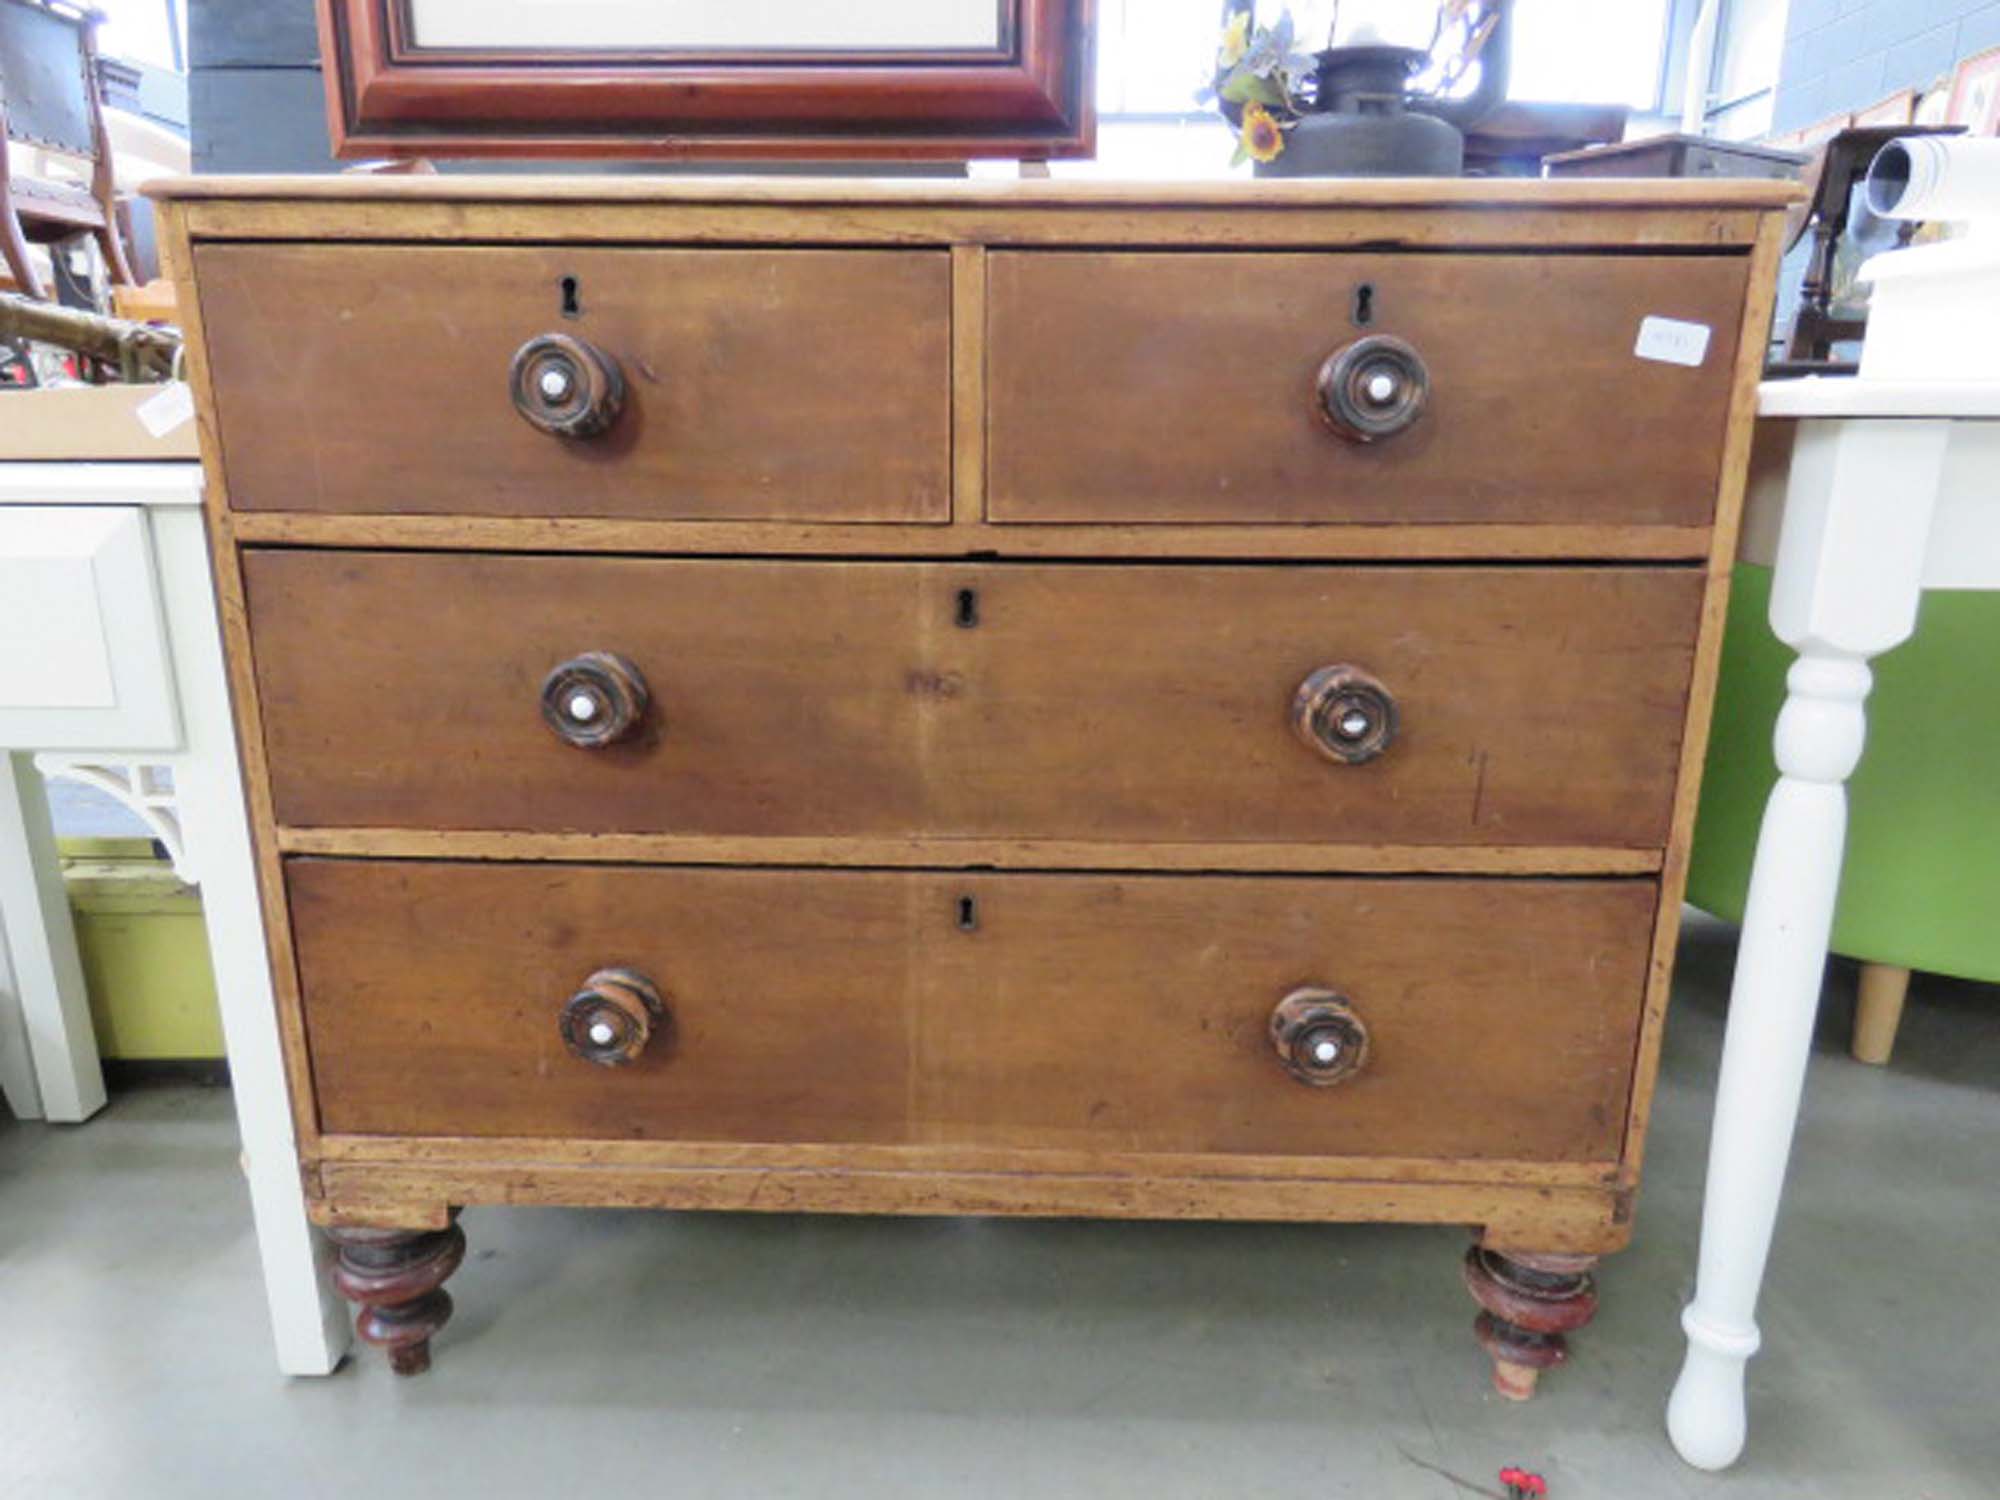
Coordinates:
[975,698]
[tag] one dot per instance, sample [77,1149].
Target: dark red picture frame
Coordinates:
[1030,97]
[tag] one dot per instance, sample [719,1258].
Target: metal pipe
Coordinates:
[139,350]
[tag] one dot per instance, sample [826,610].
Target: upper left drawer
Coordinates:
[758,385]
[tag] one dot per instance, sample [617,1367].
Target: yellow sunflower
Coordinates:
[1235,40]
[1262,139]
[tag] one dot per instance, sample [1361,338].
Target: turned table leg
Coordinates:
[1845,588]
[48,1051]
[1528,1303]
[1780,966]
[397,1277]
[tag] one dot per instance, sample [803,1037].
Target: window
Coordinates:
[1588,52]
[1154,54]
[144,31]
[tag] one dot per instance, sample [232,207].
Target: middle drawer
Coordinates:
[997,701]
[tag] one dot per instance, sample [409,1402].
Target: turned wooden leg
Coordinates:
[397,1277]
[1884,988]
[1528,1302]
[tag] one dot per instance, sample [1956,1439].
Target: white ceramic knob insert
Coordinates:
[1325,1051]
[583,708]
[1381,388]
[555,384]
[602,1033]
[1355,725]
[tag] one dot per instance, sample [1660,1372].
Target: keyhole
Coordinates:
[571,307]
[968,608]
[968,914]
[1364,305]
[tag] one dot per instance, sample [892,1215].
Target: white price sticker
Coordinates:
[172,407]
[1672,342]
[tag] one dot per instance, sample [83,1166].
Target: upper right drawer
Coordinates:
[1211,388]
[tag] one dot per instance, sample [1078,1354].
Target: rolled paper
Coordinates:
[1936,177]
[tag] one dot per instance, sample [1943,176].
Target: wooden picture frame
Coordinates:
[1900,108]
[1028,95]
[1975,93]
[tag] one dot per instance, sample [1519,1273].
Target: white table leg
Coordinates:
[308,1321]
[1779,969]
[53,1007]
[17,1064]
[1847,580]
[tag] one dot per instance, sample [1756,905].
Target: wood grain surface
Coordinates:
[1749,367]
[1122,1013]
[1585,1220]
[917,852]
[1132,703]
[1108,387]
[1572,198]
[799,385]
[663,212]
[1181,388]
[969,535]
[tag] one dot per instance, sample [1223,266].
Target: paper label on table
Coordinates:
[173,407]
[1672,342]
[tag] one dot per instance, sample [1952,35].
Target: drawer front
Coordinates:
[83,639]
[1183,388]
[794,385]
[1072,702]
[1127,1014]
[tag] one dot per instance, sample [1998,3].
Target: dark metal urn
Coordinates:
[1361,119]
[1362,124]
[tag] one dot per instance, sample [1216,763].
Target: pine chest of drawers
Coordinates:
[975,698]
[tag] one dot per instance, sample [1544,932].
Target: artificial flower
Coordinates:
[1273,54]
[1261,139]
[1235,40]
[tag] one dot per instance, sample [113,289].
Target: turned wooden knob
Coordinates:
[1373,388]
[566,386]
[1319,1037]
[1344,714]
[594,699]
[610,1020]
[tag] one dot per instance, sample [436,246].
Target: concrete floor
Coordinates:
[651,1354]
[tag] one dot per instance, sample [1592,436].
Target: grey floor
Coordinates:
[620,1355]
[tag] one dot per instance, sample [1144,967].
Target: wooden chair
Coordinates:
[49,101]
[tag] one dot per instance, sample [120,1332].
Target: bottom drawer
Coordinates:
[1114,1012]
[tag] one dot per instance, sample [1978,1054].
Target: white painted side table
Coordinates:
[1864,493]
[111,666]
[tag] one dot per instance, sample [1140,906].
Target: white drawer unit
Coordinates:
[83,645]
[111,672]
